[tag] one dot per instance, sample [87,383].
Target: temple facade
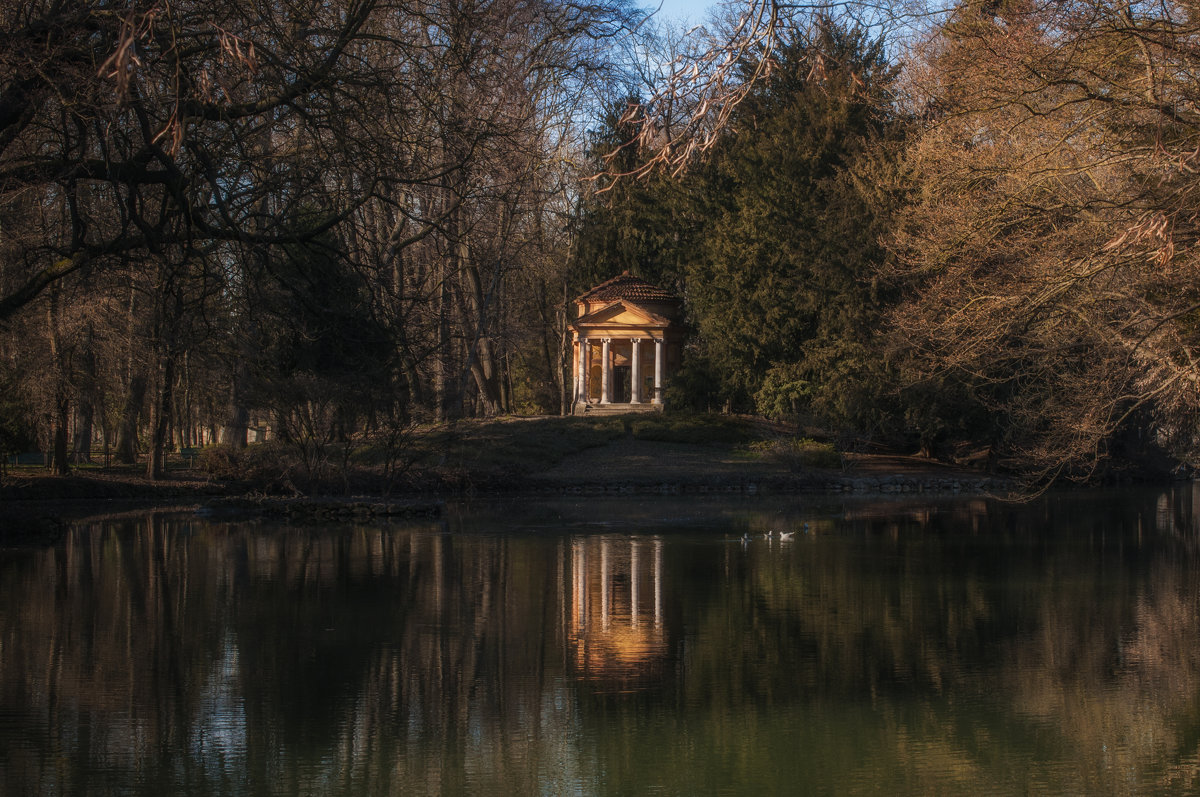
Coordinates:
[628,340]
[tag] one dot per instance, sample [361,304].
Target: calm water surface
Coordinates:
[608,646]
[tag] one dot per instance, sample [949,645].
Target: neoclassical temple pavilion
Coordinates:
[628,341]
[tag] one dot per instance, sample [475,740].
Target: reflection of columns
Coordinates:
[658,370]
[604,602]
[633,583]
[579,585]
[562,581]
[605,368]
[658,583]
[581,382]
[635,388]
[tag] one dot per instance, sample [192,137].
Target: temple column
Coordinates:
[635,388]
[605,369]
[659,348]
[581,382]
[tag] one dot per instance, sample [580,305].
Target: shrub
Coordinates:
[798,453]
[696,385]
[263,464]
[784,392]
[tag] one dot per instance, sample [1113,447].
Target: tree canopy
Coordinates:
[967,230]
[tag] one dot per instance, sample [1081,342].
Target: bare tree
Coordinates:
[1050,244]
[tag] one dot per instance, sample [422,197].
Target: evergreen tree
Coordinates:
[641,225]
[781,288]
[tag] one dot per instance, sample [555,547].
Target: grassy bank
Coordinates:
[447,458]
[476,456]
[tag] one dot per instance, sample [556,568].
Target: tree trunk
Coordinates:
[506,387]
[485,382]
[441,358]
[183,426]
[62,404]
[85,411]
[59,460]
[127,429]
[82,446]
[236,426]
[160,418]
[565,385]
[412,379]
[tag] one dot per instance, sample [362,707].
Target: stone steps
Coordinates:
[616,409]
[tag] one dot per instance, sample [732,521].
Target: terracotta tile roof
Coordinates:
[627,286]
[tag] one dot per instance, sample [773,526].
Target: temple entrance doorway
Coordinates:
[622,384]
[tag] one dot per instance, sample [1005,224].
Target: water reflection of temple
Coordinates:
[614,615]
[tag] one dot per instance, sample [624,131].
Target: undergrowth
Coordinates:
[798,453]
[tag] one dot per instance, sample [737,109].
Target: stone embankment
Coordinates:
[862,485]
[322,508]
[38,502]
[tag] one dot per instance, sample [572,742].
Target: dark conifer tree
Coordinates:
[781,286]
[643,225]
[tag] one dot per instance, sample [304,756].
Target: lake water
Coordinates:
[609,646]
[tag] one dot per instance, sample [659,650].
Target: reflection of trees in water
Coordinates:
[216,656]
[923,649]
[422,659]
[1114,669]
[1051,645]
[455,699]
[1178,512]
[102,657]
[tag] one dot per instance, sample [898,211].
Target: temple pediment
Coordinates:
[623,313]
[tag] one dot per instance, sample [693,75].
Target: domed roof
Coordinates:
[627,286]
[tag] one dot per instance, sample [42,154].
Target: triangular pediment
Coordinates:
[620,313]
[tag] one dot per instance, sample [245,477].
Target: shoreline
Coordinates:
[524,458]
[35,521]
[116,486]
[40,507]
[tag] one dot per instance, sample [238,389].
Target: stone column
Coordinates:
[635,389]
[581,382]
[605,369]
[659,350]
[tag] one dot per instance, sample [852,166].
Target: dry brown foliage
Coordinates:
[1052,240]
